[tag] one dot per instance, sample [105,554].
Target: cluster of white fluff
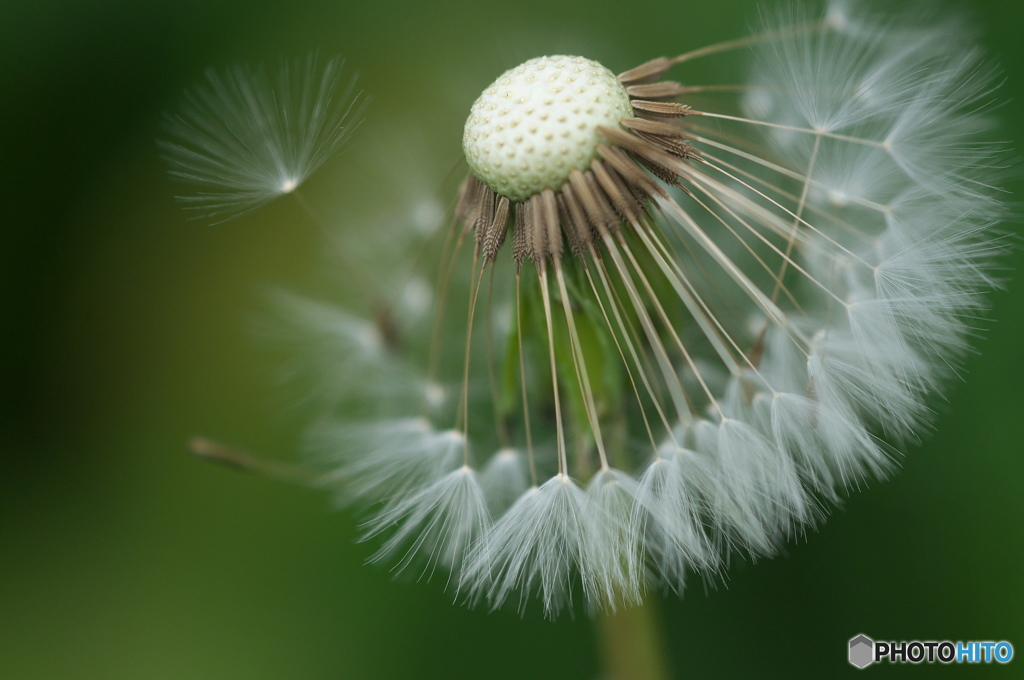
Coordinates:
[856,156]
[871,159]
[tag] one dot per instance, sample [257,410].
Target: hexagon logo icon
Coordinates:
[862,651]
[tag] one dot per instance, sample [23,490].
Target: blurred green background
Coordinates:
[123,332]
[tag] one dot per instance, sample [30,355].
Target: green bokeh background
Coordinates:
[123,332]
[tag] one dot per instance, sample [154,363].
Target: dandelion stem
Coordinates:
[631,644]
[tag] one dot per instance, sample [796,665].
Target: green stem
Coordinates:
[631,643]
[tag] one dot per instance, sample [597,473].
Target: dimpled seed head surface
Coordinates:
[539,121]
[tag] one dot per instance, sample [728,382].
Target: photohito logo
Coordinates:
[864,651]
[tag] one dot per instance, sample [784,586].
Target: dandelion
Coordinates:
[739,301]
[243,139]
[696,316]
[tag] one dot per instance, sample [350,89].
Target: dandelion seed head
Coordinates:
[719,321]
